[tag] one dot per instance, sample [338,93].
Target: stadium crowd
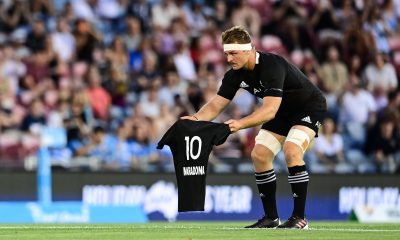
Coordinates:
[116,74]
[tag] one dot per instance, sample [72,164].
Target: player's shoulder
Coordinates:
[232,75]
[266,57]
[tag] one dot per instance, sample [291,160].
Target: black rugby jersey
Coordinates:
[274,76]
[191,143]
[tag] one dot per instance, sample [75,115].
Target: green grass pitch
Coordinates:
[197,230]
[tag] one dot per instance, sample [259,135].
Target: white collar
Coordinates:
[257,57]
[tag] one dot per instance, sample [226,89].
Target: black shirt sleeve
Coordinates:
[167,137]
[221,134]
[229,85]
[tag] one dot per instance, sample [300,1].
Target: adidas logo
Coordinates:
[306,119]
[243,85]
[262,195]
[295,195]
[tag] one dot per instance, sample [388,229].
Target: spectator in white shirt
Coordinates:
[329,148]
[380,74]
[163,13]
[63,41]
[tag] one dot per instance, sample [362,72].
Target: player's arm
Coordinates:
[261,115]
[210,110]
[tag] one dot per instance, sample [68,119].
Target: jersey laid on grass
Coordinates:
[191,143]
[274,76]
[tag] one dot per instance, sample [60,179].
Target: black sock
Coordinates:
[298,179]
[266,183]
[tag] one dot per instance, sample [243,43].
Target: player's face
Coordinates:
[237,59]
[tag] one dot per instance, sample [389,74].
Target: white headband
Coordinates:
[237,47]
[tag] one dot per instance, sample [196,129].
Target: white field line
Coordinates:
[35,227]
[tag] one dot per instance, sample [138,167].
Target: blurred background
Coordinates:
[116,74]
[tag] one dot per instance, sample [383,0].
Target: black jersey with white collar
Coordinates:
[274,76]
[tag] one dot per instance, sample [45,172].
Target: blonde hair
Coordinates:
[236,34]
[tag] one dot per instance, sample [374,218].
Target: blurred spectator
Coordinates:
[36,38]
[100,145]
[163,13]
[150,104]
[358,109]
[173,85]
[16,15]
[35,118]
[289,20]
[346,15]
[380,74]
[329,149]
[334,77]
[358,42]
[99,98]
[184,63]
[86,40]
[120,158]
[43,9]
[196,17]
[85,9]
[68,12]
[390,15]
[11,69]
[334,72]
[392,109]
[121,63]
[77,121]
[117,56]
[248,17]
[117,86]
[149,75]
[63,41]
[11,114]
[142,10]
[143,149]
[383,146]
[133,36]
[312,69]
[325,22]
[378,28]
[220,14]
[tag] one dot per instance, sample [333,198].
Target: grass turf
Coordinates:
[196,230]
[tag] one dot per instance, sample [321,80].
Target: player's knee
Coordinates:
[292,152]
[261,156]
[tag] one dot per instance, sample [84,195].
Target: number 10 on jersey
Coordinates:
[189,147]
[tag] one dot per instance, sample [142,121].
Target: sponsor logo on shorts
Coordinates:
[306,119]
[243,85]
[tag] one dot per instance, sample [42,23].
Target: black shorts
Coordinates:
[283,122]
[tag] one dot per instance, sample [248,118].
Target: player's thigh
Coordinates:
[305,128]
[298,140]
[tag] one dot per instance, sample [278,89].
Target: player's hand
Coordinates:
[234,125]
[192,118]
